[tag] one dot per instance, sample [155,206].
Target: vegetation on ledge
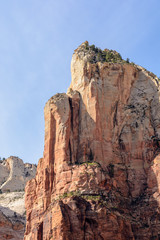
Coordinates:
[94,197]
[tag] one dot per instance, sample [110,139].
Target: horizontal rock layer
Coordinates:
[99,177]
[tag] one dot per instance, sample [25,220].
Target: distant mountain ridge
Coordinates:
[14,174]
[13,177]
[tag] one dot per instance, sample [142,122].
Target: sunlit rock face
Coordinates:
[14,174]
[99,177]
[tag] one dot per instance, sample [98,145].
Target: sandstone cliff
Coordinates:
[99,177]
[13,176]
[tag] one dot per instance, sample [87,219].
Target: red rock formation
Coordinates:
[10,230]
[99,177]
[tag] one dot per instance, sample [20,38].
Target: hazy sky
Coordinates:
[37,39]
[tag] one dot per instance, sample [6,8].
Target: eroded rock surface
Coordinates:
[11,229]
[13,176]
[99,177]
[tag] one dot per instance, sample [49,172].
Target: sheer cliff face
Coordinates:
[99,177]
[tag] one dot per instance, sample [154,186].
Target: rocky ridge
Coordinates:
[13,176]
[99,176]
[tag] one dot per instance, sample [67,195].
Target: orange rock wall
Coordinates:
[99,177]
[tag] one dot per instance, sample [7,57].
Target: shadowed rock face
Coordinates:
[10,229]
[99,177]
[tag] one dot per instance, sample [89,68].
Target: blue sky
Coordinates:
[37,39]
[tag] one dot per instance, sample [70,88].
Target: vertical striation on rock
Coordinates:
[99,176]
